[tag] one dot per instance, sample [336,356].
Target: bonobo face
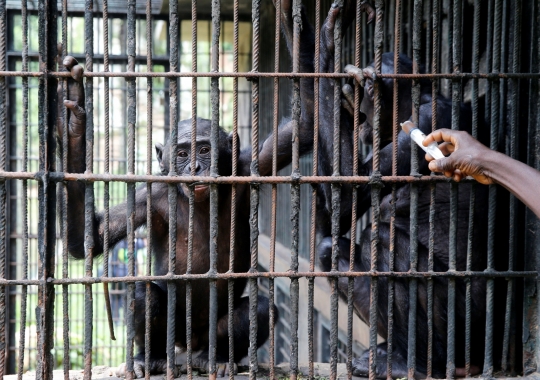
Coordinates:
[203,150]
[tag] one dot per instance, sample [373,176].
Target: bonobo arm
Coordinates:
[76,164]
[403,158]
[305,127]
[468,157]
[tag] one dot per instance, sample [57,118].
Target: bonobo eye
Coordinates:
[182,154]
[204,150]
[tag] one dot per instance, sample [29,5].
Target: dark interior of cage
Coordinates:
[447,283]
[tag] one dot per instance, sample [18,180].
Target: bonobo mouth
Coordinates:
[201,192]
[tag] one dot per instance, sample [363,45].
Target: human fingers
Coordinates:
[446,135]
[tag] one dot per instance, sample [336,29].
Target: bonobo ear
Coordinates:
[159,153]
[230,138]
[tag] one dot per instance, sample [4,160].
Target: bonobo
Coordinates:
[201,219]
[402,221]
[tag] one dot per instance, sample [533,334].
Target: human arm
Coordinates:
[468,157]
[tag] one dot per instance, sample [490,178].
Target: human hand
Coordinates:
[468,157]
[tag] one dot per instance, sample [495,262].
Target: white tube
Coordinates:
[418,137]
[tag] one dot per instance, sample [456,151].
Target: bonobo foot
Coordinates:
[399,364]
[157,366]
[202,364]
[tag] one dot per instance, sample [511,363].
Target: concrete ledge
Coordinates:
[322,371]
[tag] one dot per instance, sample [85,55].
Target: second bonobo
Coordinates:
[402,203]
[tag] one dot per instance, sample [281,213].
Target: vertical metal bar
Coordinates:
[89,188]
[3,187]
[47,14]
[24,291]
[472,201]
[189,294]
[375,191]
[275,126]
[516,66]
[214,139]
[395,131]
[456,106]
[313,233]
[429,35]
[65,273]
[488,355]
[354,216]
[233,197]
[254,194]
[295,189]
[413,229]
[149,237]
[336,197]
[172,190]
[130,201]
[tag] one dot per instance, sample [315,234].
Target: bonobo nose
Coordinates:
[197,167]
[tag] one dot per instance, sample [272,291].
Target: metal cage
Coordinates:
[144,64]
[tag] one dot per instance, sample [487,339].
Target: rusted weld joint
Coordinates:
[212,274]
[375,180]
[295,177]
[254,78]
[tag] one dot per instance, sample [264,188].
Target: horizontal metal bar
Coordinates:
[228,275]
[130,178]
[253,74]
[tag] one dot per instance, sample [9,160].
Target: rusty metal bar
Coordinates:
[295,188]
[452,259]
[235,149]
[375,190]
[354,204]
[89,188]
[47,21]
[226,276]
[24,291]
[130,200]
[172,189]
[3,187]
[254,194]
[275,126]
[336,196]
[413,224]
[315,164]
[214,141]
[64,158]
[149,235]
[189,264]
[472,201]
[128,178]
[516,66]
[251,74]
[494,142]
[392,247]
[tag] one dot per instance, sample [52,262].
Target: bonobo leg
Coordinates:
[241,335]
[362,263]
[158,331]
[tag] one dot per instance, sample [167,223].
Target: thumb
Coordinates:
[441,165]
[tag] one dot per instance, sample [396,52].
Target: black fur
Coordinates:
[402,225]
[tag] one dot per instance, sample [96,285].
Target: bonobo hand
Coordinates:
[75,102]
[467,156]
